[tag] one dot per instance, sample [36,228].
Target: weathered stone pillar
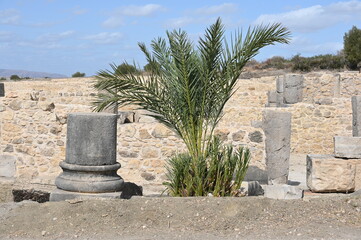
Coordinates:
[293,88]
[337,85]
[279,91]
[90,164]
[2,90]
[356,116]
[272,99]
[277,129]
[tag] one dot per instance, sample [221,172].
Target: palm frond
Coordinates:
[188,87]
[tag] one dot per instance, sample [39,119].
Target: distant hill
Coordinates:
[23,73]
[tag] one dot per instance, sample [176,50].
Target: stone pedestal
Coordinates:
[90,165]
[277,129]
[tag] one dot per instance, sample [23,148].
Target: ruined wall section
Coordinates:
[33,124]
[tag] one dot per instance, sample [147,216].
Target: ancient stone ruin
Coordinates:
[34,122]
[340,172]
[289,90]
[90,162]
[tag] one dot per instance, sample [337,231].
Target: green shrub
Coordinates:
[220,172]
[2,79]
[352,47]
[277,62]
[319,62]
[78,74]
[125,68]
[14,77]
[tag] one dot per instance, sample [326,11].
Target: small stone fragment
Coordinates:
[256,136]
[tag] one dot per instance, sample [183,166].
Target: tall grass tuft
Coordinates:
[219,173]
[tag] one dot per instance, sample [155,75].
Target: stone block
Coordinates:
[161,131]
[6,191]
[126,117]
[347,147]
[7,166]
[325,173]
[256,137]
[292,88]
[357,163]
[277,129]
[282,191]
[256,124]
[254,173]
[272,96]
[356,116]
[239,135]
[280,101]
[2,90]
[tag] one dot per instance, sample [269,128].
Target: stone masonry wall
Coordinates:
[33,125]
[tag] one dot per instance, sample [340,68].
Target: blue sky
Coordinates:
[66,36]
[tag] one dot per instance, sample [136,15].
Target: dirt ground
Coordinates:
[336,217]
[316,216]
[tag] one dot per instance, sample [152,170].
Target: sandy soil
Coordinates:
[337,217]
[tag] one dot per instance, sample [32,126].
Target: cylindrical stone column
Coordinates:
[277,129]
[90,163]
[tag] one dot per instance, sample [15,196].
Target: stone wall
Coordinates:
[33,125]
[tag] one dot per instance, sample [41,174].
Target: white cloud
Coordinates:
[145,10]
[117,17]
[315,17]
[54,37]
[35,44]
[203,15]
[113,22]
[224,8]
[105,37]
[46,41]
[7,36]
[9,17]
[79,11]
[306,46]
[180,22]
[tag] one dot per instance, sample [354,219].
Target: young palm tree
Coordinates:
[188,87]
